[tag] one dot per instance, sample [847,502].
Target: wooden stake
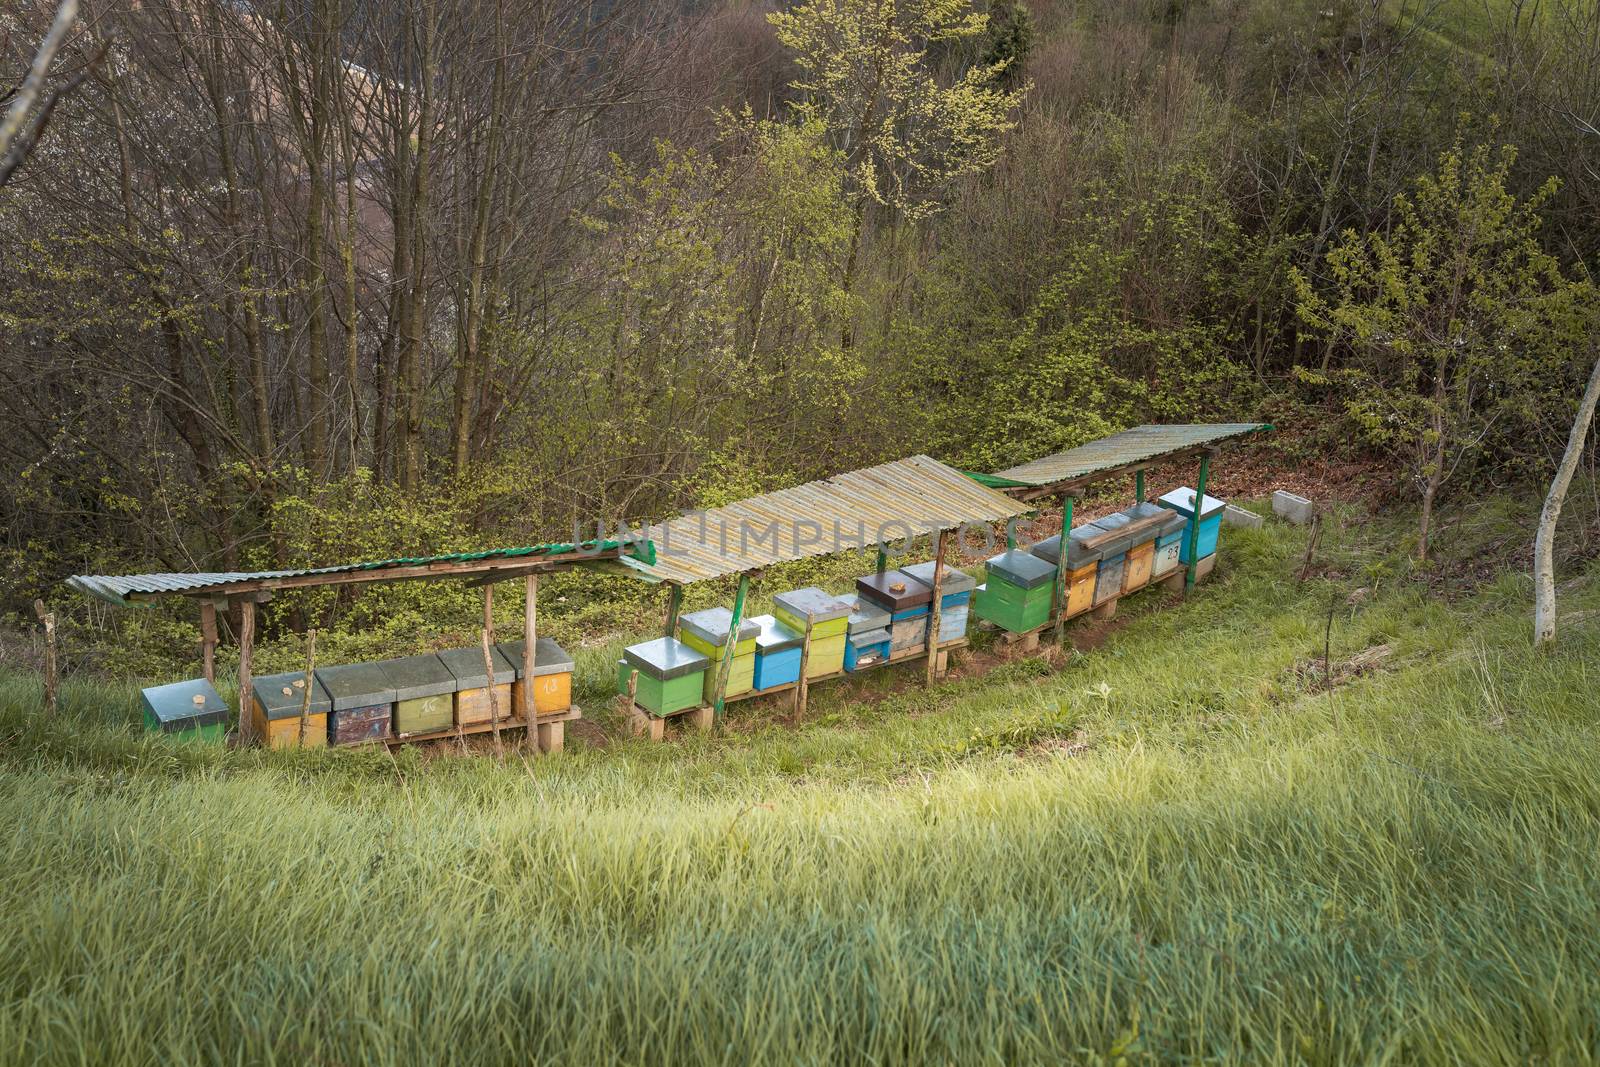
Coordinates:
[934,612]
[674,605]
[530,659]
[1058,598]
[725,667]
[208,640]
[247,644]
[802,689]
[51,680]
[305,698]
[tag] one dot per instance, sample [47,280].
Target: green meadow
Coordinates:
[1181,846]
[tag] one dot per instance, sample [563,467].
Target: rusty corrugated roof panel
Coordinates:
[890,501]
[1138,445]
[127,589]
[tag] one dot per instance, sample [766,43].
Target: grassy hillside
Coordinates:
[1181,845]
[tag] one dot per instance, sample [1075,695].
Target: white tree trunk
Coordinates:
[15,129]
[1544,569]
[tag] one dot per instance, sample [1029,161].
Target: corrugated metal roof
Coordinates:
[1137,445]
[125,589]
[916,495]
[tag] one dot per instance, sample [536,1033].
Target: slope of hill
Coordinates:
[1182,844]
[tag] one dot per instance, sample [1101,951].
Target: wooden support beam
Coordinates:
[1058,597]
[1193,534]
[942,546]
[530,637]
[52,680]
[1138,486]
[247,645]
[674,606]
[802,686]
[309,686]
[726,667]
[208,640]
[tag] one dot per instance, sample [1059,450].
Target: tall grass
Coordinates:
[1178,847]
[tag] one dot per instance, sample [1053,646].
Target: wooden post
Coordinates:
[1194,524]
[802,691]
[309,684]
[486,638]
[247,644]
[1058,599]
[726,667]
[530,660]
[51,679]
[1138,486]
[942,545]
[208,640]
[674,605]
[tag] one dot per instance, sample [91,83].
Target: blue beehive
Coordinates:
[778,651]
[865,648]
[1182,501]
[956,586]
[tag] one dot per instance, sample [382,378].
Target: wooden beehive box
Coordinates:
[424,694]
[1017,591]
[671,675]
[778,652]
[864,648]
[707,632]
[276,700]
[185,711]
[474,687]
[1082,563]
[1182,502]
[955,586]
[362,702]
[552,675]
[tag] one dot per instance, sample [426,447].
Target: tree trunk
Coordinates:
[1544,568]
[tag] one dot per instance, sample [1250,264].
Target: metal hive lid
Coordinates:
[548,657]
[1020,569]
[865,615]
[775,636]
[665,658]
[1182,501]
[184,705]
[712,625]
[356,685]
[414,677]
[812,604]
[466,667]
[281,695]
[954,581]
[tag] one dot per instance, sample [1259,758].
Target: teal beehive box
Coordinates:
[185,711]
[1182,502]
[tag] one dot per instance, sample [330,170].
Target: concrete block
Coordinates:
[1291,508]
[1237,516]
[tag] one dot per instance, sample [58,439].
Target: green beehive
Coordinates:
[185,711]
[1017,593]
[424,691]
[671,675]
[707,633]
[828,615]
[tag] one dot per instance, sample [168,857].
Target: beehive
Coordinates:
[867,637]
[1144,523]
[909,632]
[671,675]
[185,711]
[424,693]
[1017,591]
[953,623]
[474,686]
[955,586]
[891,591]
[1168,545]
[1182,502]
[777,653]
[707,633]
[1082,563]
[552,676]
[361,702]
[275,702]
[829,617]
